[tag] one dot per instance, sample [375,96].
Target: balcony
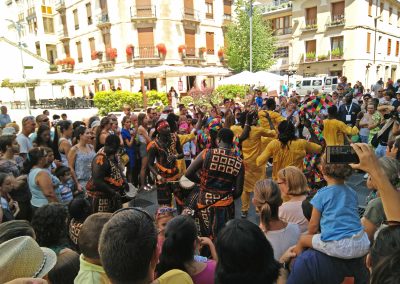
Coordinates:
[309,25]
[336,21]
[103,22]
[190,18]
[191,58]
[276,6]
[143,14]
[333,55]
[284,31]
[63,35]
[31,13]
[60,6]
[146,55]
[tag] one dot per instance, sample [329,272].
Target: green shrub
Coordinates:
[337,52]
[186,100]
[154,96]
[108,101]
[230,91]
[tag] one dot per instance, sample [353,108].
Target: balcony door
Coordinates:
[190,42]
[188,8]
[311,16]
[337,11]
[146,42]
[143,8]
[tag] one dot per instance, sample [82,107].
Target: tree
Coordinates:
[238,37]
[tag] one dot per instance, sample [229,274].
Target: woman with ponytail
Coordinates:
[178,251]
[62,141]
[287,150]
[267,199]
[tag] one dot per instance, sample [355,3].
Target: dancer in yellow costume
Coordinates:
[287,150]
[251,148]
[265,115]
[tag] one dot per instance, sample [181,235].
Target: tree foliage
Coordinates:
[231,91]
[238,37]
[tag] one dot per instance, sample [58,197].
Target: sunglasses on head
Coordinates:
[137,209]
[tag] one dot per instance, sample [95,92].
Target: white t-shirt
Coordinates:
[292,212]
[283,239]
[25,144]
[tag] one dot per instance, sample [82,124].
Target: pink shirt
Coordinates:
[291,212]
[207,275]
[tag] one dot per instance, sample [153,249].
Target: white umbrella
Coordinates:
[243,78]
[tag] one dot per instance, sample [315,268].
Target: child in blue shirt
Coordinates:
[335,211]
[66,185]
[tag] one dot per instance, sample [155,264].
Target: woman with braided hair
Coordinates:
[287,150]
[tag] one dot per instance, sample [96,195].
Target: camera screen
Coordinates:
[341,155]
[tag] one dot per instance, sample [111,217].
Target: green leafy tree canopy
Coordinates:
[238,37]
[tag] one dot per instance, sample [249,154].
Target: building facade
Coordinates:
[97,36]
[358,39]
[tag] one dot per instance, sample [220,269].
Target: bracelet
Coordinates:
[246,124]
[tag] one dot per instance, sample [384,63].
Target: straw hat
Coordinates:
[22,257]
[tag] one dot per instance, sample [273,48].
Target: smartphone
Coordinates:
[341,155]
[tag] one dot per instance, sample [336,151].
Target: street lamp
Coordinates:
[18,26]
[250,13]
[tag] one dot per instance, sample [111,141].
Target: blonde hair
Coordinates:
[267,198]
[295,180]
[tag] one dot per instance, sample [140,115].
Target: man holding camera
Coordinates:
[390,128]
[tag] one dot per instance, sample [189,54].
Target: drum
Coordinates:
[185,183]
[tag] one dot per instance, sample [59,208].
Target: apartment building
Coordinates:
[104,35]
[38,27]
[358,39]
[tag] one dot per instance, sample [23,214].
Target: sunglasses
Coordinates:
[165,210]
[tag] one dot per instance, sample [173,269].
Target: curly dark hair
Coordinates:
[50,224]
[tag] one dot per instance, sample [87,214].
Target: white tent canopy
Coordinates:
[261,78]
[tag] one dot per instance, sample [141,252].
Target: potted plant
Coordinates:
[53,67]
[182,50]
[111,53]
[337,53]
[322,57]
[162,50]
[94,55]
[221,54]
[310,56]
[129,50]
[100,55]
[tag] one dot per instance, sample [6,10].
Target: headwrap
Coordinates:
[162,124]
[184,126]
[214,124]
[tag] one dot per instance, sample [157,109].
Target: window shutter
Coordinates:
[338,8]
[311,46]
[370,8]
[389,46]
[311,14]
[397,48]
[227,7]
[210,43]
[190,42]
[143,3]
[145,36]
[368,42]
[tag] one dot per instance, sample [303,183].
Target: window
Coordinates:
[79,50]
[89,14]
[397,48]
[368,42]
[311,46]
[282,52]
[337,43]
[146,42]
[306,83]
[210,43]
[48,25]
[92,44]
[227,9]
[338,11]
[209,9]
[317,82]
[370,8]
[190,42]
[20,17]
[32,24]
[379,45]
[47,10]
[282,25]
[311,16]
[389,46]
[390,15]
[76,20]
[381,10]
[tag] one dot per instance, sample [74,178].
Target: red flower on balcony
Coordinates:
[221,52]
[182,48]
[111,53]
[69,61]
[161,49]
[94,54]
[129,50]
